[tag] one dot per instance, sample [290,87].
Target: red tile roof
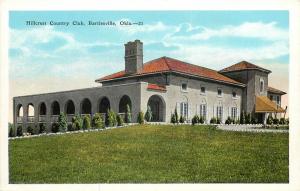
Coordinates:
[244,65]
[156,87]
[166,64]
[276,91]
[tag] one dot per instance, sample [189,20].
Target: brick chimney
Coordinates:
[133,57]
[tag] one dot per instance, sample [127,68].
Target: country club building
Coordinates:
[164,84]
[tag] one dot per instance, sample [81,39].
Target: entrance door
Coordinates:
[154,105]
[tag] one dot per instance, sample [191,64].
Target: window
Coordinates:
[271,97]
[184,109]
[202,89]
[184,86]
[203,111]
[278,100]
[219,92]
[233,113]
[219,112]
[261,85]
[234,94]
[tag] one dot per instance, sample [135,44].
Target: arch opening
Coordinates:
[124,101]
[20,111]
[158,108]
[104,105]
[30,110]
[70,108]
[86,106]
[43,109]
[55,108]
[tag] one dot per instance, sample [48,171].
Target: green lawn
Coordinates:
[151,154]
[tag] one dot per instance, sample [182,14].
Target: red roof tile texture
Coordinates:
[276,91]
[156,87]
[166,64]
[244,65]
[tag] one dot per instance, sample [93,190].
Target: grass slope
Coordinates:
[151,154]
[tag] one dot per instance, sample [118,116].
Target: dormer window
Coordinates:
[261,85]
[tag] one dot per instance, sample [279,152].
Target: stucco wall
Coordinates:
[113,93]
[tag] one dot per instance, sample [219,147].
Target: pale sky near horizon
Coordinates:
[54,58]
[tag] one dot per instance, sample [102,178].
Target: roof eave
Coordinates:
[260,69]
[138,75]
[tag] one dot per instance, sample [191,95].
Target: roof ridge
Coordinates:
[192,64]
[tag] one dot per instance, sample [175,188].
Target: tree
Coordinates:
[148,114]
[176,115]
[98,121]
[77,122]
[128,114]
[181,119]
[86,122]
[140,117]
[173,118]
[119,120]
[111,119]
[11,129]
[243,118]
[19,130]
[62,122]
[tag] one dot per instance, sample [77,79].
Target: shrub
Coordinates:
[282,121]
[243,118]
[201,119]
[30,130]
[77,122]
[195,120]
[19,130]
[140,117]
[228,121]
[148,114]
[98,121]
[248,118]
[173,118]
[181,119]
[127,114]
[120,120]
[270,120]
[55,127]
[176,116]
[62,122]
[36,129]
[42,128]
[254,120]
[70,127]
[218,121]
[86,122]
[275,121]
[111,118]
[213,120]
[11,130]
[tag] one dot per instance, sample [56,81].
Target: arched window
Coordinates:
[184,108]
[203,109]
[30,111]
[219,111]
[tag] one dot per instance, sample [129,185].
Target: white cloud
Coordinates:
[264,31]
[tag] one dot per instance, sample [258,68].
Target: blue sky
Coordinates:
[74,56]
